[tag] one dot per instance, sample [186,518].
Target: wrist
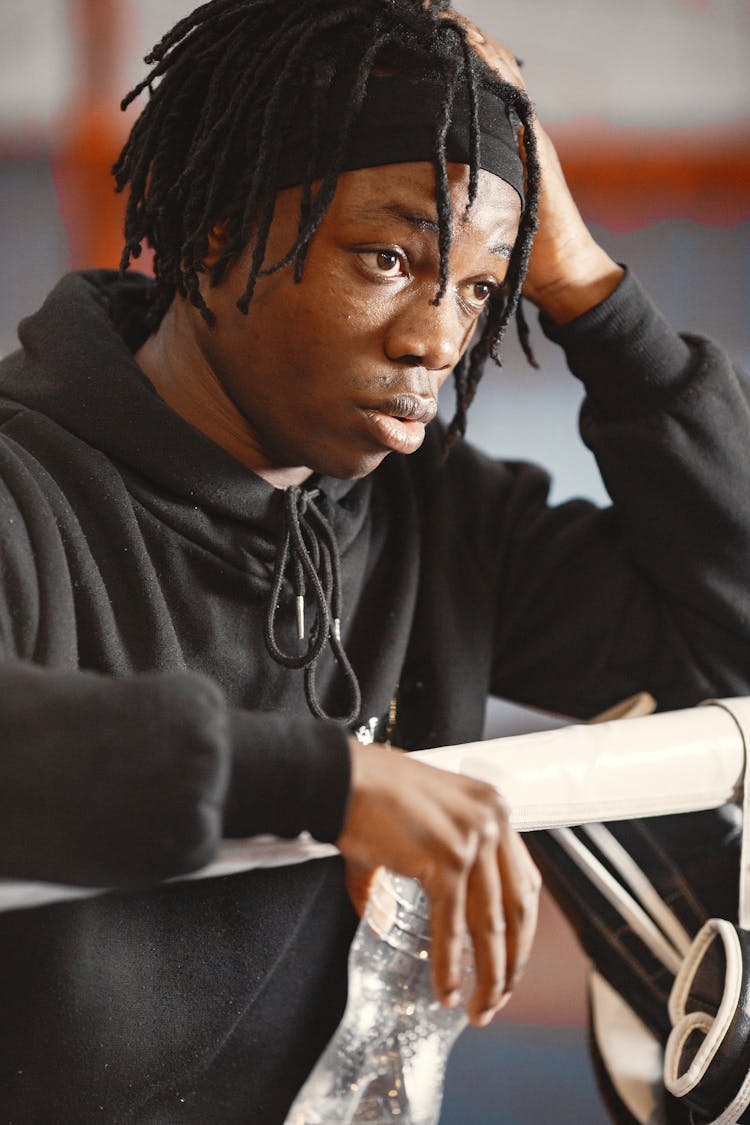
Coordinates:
[577,287]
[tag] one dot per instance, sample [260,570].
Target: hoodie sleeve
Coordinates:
[108,781]
[651,593]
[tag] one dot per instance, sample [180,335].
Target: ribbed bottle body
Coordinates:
[386,1062]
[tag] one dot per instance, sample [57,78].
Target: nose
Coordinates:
[422,334]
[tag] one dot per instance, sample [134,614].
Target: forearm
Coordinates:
[107,781]
[653,593]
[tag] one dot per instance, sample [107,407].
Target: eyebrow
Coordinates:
[422,222]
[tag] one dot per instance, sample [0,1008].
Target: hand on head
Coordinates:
[568,271]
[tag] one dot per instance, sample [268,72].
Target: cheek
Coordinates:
[339,318]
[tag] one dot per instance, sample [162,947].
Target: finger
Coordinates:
[521,884]
[486,922]
[502,61]
[448,937]
[496,57]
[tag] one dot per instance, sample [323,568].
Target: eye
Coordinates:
[478,293]
[385,263]
[483,290]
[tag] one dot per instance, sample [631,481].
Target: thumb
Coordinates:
[359,878]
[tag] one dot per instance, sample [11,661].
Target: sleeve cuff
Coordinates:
[624,351]
[289,775]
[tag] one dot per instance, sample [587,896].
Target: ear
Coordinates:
[217,241]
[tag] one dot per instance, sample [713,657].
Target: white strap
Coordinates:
[713,1028]
[642,888]
[684,1023]
[623,902]
[739,709]
[744,904]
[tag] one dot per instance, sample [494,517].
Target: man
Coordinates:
[232,544]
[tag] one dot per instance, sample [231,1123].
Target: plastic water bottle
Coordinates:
[386,1062]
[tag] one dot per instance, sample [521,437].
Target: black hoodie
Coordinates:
[143,716]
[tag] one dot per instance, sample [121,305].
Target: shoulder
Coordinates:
[467,495]
[469,477]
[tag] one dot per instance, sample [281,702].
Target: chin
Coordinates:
[351,468]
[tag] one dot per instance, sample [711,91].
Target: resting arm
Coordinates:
[653,593]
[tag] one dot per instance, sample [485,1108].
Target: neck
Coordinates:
[174,362]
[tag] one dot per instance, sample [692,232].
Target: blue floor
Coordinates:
[518,1074]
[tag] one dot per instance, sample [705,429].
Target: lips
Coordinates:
[408,408]
[398,422]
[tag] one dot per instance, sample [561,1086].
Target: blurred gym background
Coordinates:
[649,104]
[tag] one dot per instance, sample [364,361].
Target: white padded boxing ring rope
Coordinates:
[680,761]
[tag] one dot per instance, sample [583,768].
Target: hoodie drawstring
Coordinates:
[309,545]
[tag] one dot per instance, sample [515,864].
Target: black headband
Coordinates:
[398,123]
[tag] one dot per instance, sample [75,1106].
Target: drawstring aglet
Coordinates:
[337,628]
[301,616]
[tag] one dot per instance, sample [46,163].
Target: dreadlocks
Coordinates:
[230,83]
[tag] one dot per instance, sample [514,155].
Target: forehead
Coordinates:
[405,194]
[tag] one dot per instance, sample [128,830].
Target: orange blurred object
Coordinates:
[628,177]
[92,212]
[90,136]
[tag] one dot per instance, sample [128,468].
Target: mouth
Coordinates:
[398,422]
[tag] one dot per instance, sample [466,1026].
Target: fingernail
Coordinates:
[503,1000]
[485,1017]
[452,999]
[476,37]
